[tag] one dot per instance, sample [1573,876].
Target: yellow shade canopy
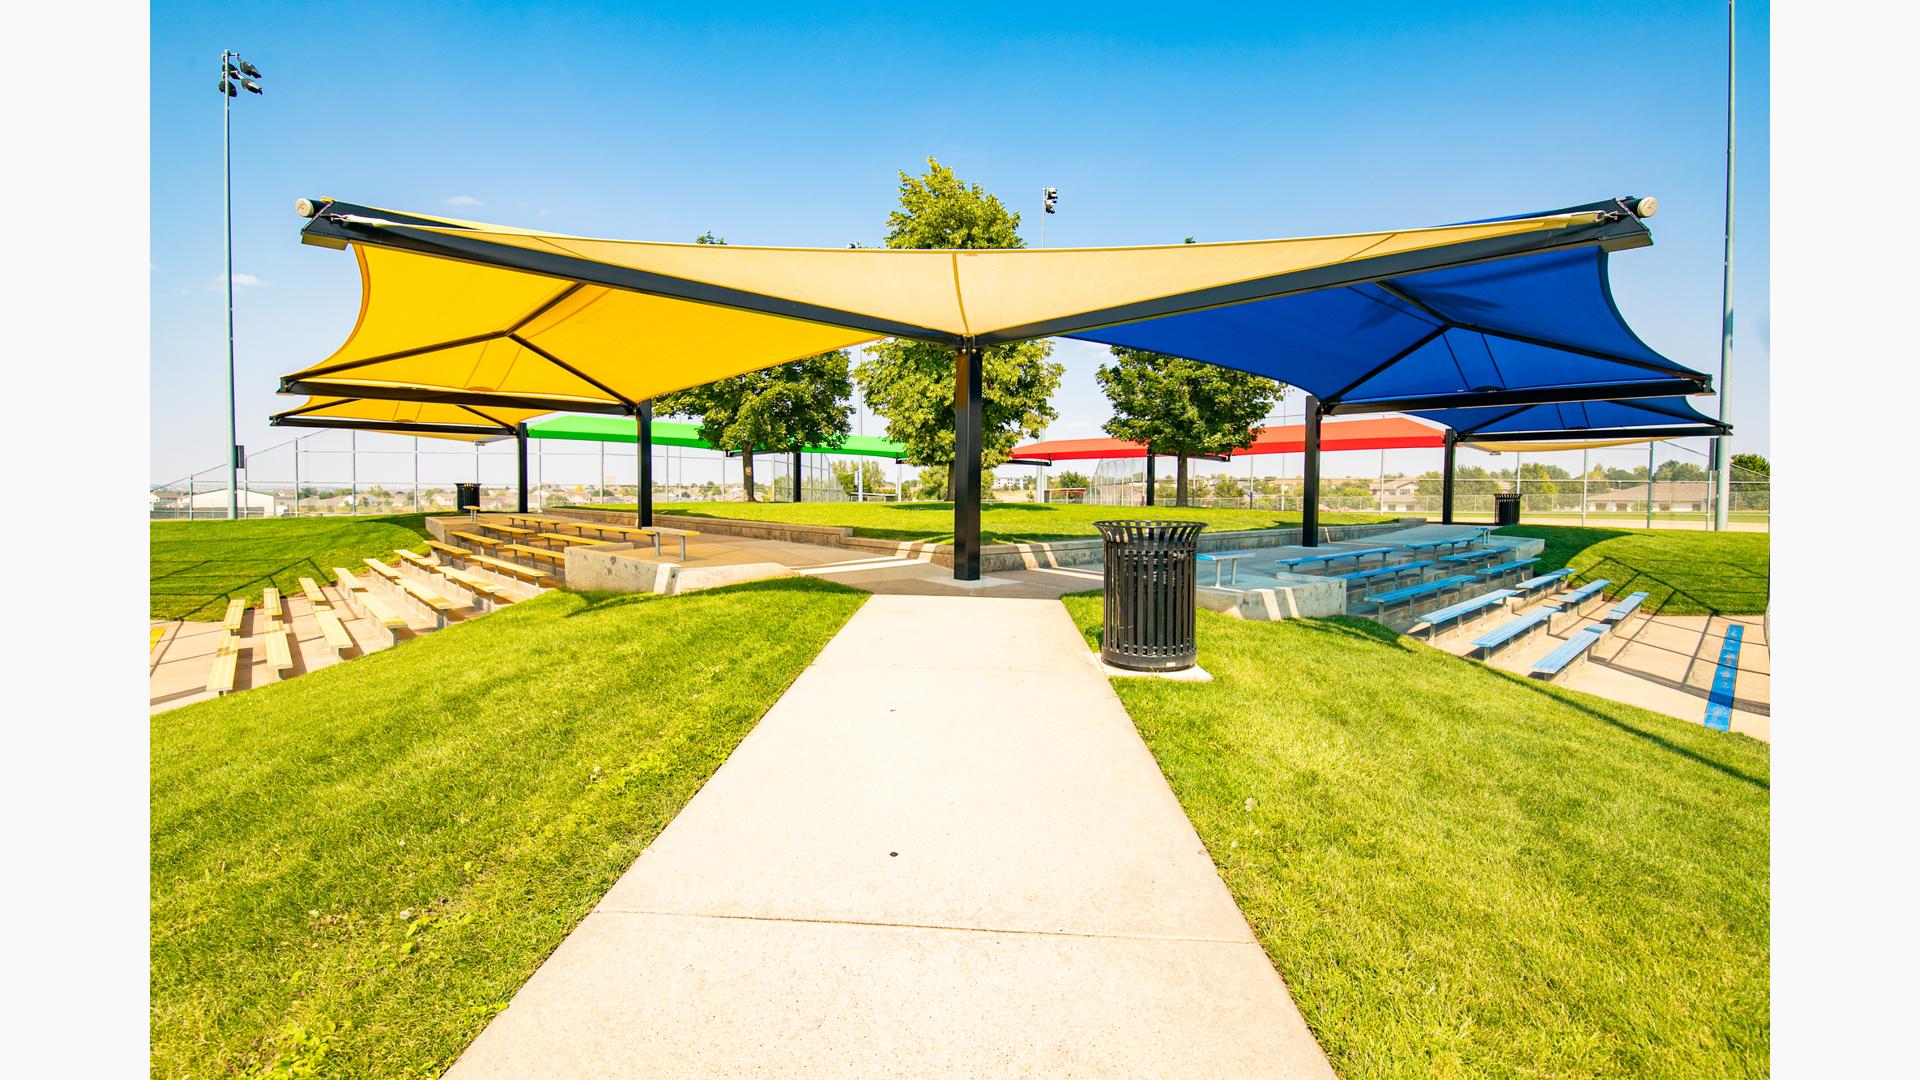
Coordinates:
[461,422]
[461,312]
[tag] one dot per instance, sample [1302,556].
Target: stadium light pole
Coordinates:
[1048,197]
[235,74]
[1722,471]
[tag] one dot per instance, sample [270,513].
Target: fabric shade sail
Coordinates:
[1527,329]
[461,422]
[460,312]
[1382,433]
[1579,422]
[673,433]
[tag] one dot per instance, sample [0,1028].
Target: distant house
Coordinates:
[252,503]
[1681,496]
[1399,493]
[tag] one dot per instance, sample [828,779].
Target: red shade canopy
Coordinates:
[1373,433]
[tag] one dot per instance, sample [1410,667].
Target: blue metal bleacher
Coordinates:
[1231,558]
[1624,610]
[1360,579]
[1415,592]
[1330,557]
[1476,605]
[1545,581]
[1559,660]
[1584,593]
[1500,570]
[1512,630]
[1462,558]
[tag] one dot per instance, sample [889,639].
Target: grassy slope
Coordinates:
[999,522]
[362,865]
[195,567]
[1684,573]
[1463,873]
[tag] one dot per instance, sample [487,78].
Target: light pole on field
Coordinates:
[1722,464]
[235,75]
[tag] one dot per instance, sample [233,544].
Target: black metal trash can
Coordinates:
[1506,508]
[466,496]
[1150,583]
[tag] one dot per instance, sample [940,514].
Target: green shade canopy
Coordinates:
[620,429]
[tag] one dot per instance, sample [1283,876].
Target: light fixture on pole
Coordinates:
[235,75]
[1048,197]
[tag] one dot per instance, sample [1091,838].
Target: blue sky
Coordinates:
[775,126]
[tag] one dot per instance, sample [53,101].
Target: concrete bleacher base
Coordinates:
[622,569]
[1314,596]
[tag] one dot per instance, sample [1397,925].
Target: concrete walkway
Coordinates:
[945,852]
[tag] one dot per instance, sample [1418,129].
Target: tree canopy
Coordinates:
[1183,407]
[910,383]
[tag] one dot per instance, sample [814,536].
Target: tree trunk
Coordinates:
[1180,481]
[746,470]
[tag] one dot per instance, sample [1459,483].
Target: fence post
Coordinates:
[1650,446]
[353,473]
[1583,486]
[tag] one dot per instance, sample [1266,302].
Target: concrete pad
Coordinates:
[1011,801]
[672,996]
[944,852]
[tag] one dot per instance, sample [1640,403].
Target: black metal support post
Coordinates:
[520,451]
[1446,482]
[643,499]
[966,463]
[796,476]
[1310,478]
[1149,476]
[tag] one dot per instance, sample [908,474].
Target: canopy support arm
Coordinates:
[347,424]
[1541,395]
[1677,431]
[967,409]
[1310,477]
[449,396]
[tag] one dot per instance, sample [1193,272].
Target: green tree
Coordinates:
[1750,484]
[1753,463]
[911,382]
[1183,407]
[803,403]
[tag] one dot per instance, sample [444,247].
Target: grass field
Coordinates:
[1683,573]
[1000,523]
[1463,873]
[353,871]
[195,567]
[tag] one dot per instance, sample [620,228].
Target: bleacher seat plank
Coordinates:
[682,534]
[1499,570]
[414,557]
[447,549]
[333,631]
[153,638]
[1624,610]
[381,568]
[1512,630]
[528,574]
[236,613]
[270,602]
[1464,608]
[1414,592]
[1360,579]
[279,649]
[226,665]
[476,538]
[557,558]
[348,583]
[1561,659]
[311,589]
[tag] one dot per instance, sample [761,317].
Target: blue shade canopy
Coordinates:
[1666,418]
[1527,329]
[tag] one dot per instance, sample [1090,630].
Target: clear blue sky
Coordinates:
[775,127]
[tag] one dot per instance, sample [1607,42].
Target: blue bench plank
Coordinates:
[1625,607]
[1414,592]
[1543,580]
[1720,698]
[1212,556]
[1506,567]
[1359,577]
[1231,558]
[1556,661]
[1465,607]
[1512,628]
[1335,556]
[1585,592]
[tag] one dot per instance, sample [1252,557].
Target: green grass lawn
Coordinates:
[1683,573]
[195,567]
[1464,873]
[354,870]
[1000,523]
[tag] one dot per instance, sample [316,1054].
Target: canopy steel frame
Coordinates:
[336,224]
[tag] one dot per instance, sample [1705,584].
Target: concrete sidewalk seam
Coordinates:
[923,926]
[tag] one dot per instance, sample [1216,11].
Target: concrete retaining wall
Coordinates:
[607,569]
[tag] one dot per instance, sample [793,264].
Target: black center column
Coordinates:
[967,414]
